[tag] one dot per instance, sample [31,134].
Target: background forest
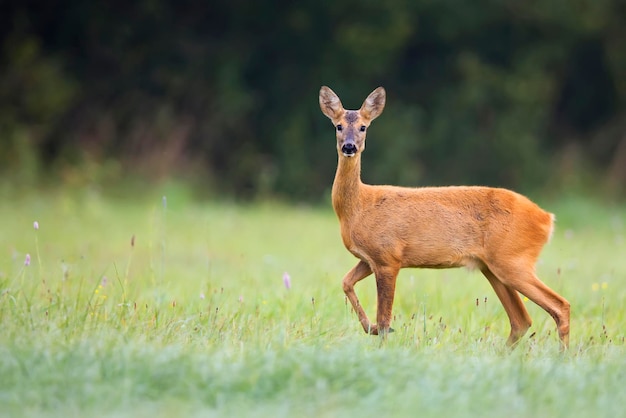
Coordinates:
[527,94]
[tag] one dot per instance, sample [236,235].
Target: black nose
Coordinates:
[348,149]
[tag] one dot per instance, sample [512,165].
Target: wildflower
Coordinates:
[287,280]
[27,260]
[36,225]
[240,298]
[201,295]
[595,287]
[104,281]
[604,285]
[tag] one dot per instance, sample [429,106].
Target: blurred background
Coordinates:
[223,95]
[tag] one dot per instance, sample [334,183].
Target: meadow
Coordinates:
[162,305]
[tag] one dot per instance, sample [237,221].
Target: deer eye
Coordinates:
[362,128]
[339,127]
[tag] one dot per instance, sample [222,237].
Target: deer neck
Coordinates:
[347,185]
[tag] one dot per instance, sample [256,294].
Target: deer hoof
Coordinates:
[374,330]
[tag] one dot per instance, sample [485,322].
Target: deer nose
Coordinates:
[348,149]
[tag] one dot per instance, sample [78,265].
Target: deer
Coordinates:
[388,228]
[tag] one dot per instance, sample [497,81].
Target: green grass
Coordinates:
[135,307]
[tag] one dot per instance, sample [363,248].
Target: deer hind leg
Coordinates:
[521,276]
[358,273]
[386,288]
[513,305]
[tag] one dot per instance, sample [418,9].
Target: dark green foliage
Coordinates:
[516,94]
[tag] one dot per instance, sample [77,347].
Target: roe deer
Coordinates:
[388,228]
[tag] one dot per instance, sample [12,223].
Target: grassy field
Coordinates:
[162,306]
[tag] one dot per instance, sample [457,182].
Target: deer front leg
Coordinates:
[358,273]
[386,288]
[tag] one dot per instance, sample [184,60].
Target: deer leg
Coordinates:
[358,273]
[524,280]
[386,287]
[513,305]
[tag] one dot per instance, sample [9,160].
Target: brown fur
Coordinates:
[388,228]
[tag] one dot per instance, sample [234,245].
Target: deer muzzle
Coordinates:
[349,149]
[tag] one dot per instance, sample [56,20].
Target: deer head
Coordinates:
[351,125]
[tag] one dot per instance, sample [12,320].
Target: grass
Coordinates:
[169,307]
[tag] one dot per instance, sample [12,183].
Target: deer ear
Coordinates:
[330,104]
[374,104]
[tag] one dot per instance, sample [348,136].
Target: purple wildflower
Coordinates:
[27,260]
[36,225]
[287,280]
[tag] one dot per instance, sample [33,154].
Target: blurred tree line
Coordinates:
[516,93]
